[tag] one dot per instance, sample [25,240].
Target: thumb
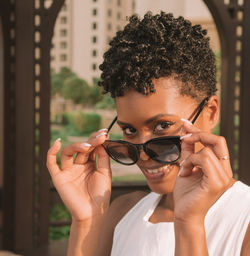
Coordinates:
[51,158]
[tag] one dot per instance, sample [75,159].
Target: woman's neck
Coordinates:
[164,212]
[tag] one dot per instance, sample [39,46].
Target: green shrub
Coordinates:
[79,123]
[107,102]
[59,212]
[57,133]
[91,122]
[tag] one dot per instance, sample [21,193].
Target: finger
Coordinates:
[103,162]
[95,134]
[95,140]
[67,154]
[83,157]
[207,162]
[220,148]
[186,149]
[216,143]
[51,158]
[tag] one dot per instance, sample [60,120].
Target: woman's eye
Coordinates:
[163,126]
[129,130]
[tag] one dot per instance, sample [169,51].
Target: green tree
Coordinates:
[57,80]
[95,93]
[76,89]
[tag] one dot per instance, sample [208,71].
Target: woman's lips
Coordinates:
[157,172]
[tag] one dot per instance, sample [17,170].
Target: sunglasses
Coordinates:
[165,149]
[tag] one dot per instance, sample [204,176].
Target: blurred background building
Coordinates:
[82,32]
[84,28]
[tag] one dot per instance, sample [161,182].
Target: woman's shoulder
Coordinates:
[241,189]
[118,208]
[122,204]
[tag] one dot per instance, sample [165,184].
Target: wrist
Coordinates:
[189,228]
[189,222]
[190,238]
[90,222]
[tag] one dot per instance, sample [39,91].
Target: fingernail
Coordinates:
[104,129]
[59,139]
[101,134]
[186,121]
[85,144]
[180,171]
[186,136]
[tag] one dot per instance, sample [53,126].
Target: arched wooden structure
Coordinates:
[27,30]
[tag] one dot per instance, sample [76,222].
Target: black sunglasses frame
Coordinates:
[175,139]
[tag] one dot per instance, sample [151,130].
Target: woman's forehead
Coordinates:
[165,100]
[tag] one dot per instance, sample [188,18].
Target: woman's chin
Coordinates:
[164,183]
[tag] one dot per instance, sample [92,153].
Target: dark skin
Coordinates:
[188,197]
[167,100]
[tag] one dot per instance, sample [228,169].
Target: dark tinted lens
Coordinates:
[124,153]
[164,150]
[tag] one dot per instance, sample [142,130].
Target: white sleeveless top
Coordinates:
[226,223]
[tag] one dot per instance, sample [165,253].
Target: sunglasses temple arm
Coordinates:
[202,105]
[111,125]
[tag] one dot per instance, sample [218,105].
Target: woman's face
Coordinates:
[143,117]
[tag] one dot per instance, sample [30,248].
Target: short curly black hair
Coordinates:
[159,46]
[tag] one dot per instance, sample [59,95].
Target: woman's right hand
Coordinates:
[83,183]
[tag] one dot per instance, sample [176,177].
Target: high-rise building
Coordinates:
[84,28]
[82,32]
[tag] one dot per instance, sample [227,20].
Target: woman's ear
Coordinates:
[212,112]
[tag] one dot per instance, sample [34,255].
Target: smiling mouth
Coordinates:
[163,169]
[156,173]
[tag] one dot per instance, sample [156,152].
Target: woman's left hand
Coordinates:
[204,175]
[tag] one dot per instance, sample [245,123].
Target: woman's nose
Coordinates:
[143,155]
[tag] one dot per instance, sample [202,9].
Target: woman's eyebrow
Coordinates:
[148,121]
[152,119]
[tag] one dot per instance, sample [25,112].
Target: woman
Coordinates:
[161,72]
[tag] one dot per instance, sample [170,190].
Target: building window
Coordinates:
[94,0]
[63,20]
[109,12]
[94,12]
[109,26]
[119,2]
[94,53]
[63,45]
[64,8]
[94,25]
[118,28]
[63,57]
[63,32]
[133,5]
[118,15]
[94,39]
[94,66]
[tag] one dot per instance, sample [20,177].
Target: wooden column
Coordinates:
[28,28]
[244,155]
[234,37]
